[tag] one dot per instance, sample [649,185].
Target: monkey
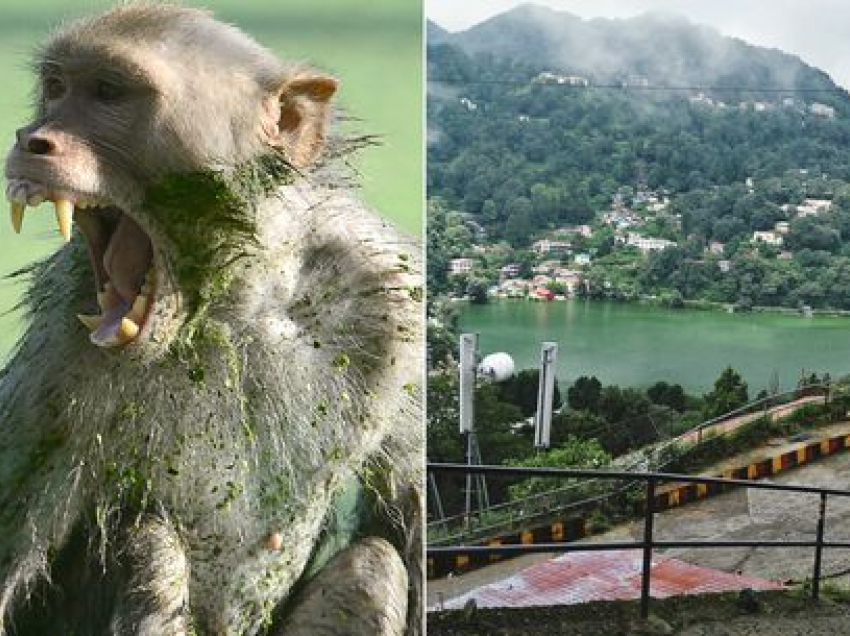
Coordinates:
[212,423]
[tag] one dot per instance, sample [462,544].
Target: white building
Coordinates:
[545,246]
[583,230]
[813,207]
[569,278]
[646,243]
[822,110]
[511,270]
[770,237]
[716,247]
[547,77]
[459,266]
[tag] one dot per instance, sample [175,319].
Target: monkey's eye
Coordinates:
[107,91]
[53,87]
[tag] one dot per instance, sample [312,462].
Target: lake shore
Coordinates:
[654,301]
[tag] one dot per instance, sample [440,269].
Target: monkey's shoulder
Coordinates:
[337,277]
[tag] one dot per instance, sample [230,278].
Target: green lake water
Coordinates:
[637,345]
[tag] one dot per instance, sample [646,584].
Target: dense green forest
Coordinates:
[519,155]
[594,424]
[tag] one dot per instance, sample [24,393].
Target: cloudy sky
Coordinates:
[816,30]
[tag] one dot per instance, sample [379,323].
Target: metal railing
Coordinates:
[649,542]
[758,407]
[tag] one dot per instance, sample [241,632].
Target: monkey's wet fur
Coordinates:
[211,425]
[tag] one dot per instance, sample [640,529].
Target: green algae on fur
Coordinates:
[208,219]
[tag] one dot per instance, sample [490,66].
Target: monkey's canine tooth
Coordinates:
[17,212]
[140,306]
[64,216]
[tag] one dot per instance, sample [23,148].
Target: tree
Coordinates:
[583,395]
[476,289]
[730,393]
[672,395]
[572,453]
[521,391]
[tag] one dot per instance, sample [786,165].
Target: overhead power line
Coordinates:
[637,87]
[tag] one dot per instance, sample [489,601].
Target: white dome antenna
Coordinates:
[496,367]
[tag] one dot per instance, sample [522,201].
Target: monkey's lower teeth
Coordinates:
[117,326]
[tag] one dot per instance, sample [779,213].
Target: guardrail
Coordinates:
[648,542]
[701,431]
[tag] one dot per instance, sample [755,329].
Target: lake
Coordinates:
[637,345]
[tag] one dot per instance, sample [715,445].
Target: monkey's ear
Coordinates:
[295,118]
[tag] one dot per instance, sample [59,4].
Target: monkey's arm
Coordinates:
[361,592]
[153,599]
[373,304]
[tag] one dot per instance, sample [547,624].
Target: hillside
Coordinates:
[629,158]
[662,48]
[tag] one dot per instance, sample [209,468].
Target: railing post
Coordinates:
[819,546]
[645,576]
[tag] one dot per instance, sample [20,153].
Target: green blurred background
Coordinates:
[374,48]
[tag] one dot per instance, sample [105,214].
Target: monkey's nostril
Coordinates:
[40,146]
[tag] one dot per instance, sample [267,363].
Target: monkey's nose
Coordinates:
[40,146]
[34,143]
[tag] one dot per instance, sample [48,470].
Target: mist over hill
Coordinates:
[662,49]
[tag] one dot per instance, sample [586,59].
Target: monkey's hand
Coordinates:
[362,591]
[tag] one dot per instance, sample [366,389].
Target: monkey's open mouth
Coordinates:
[121,256]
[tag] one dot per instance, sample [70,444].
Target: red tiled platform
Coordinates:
[604,576]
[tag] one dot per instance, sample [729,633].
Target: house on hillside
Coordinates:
[460,266]
[769,237]
[547,246]
[716,247]
[569,278]
[646,243]
[581,230]
[545,267]
[813,207]
[822,110]
[511,270]
[514,287]
[547,77]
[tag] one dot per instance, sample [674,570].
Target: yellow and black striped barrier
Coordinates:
[560,531]
[670,496]
[674,495]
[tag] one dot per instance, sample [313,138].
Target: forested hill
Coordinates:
[663,48]
[648,132]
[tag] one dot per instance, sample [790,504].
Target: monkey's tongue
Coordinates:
[128,258]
